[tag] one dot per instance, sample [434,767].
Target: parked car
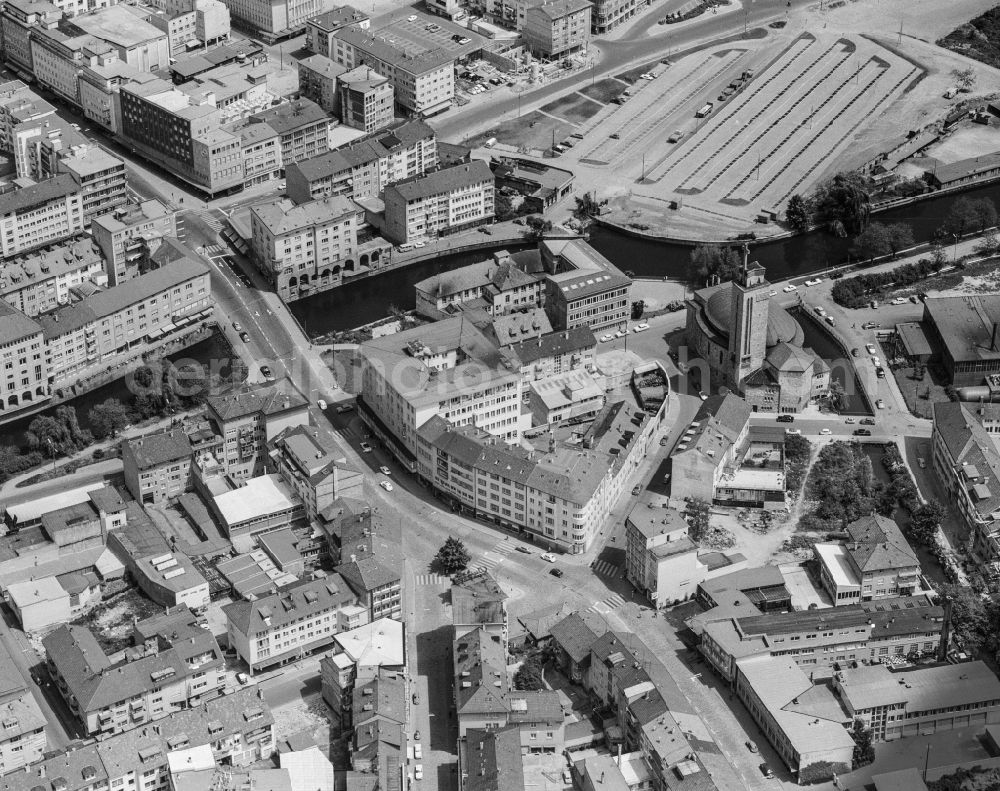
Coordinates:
[345,408]
[237,327]
[829,320]
[607,337]
[922,463]
[418,751]
[385,470]
[366,448]
[243,678]
[418,772]
[416,699]
[636,489]
[385,485]
[621,334]
[790,288]
[793,431]
[849,420]
[880,404]
[825,431]
[766,771]
[785,418]
[752,747]
[870,348]
[854,352]
[548,557]
[899,301]
[266,372]
[814,282]
[640,327]
[868,421]
[862,432]
[321,403]
[244,337]
[556,572]
[523,549]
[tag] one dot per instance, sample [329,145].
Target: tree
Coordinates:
[966,79]
[900,237]
[938,259]
[638,307]
[699,513]
[453,557]
[57,434]
[924,522]
[530,676]
[971,618]
[502,207]
[12,461]
[864,749]
[537,227]
[713,259]
[989,244]
[962,217]
[985,212]
[797,213]
[108,418]
[843,203]
[873,242]
[837,396]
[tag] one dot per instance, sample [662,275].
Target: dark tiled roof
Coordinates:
[162,448]
[295,602]
[574,636]
[37,194]
[555,343]
[443,181]
[877,543]
[287,118]
[493,759]
[268,400]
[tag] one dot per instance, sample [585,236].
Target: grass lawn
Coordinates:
[573,108]
[604,90]
[532,130]
[915,391]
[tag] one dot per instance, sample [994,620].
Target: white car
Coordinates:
[825,431]
[922,463]
[870,348]
[420,243]
[790,288]
[385,470]
[793,431]
[814,282]
[418,771]
[243,678]
[876,361]
[829,320]
[418,751]
[385,485]
[899,301]
[411,18]
[321,404]
[640,327]
[880,404]
[607,337]
[621,333]
[772,293]
[548,557]
[648,76]
[366,448]
[819,310]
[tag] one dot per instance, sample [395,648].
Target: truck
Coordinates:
[704,111]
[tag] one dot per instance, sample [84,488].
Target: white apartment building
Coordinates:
[423,83]
[40,213]
[448,369]
[441,202]
[296,621]
[23,367]
[305,247]
[273,20]
[125,236]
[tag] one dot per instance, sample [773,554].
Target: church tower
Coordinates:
[748,320]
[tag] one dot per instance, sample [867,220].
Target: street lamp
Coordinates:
[954,250]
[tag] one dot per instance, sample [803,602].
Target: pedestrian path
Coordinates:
[432,579]
[214,249]
[606,569]
[613,602]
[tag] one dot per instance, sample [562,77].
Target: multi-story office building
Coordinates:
[19,105]
[919,701]
[99,175]
[609,14]
[247,420]
[318,81]
[307,247]
[371,655]
[99,87]
[261,149]
[158,466]
[132,39]
[965,458]
[321,29]
[365,100]
[127,236]
[556,29]
[22,738]
[562,494]
[293,623]
[24,376]
[412,376]
[20,17]
[583,287]
[423,83]
[152,681]
[92,332]
[173,129]
[303,126]
[885,631]
[40,281]
[189,23]
[273,21]
[440,203]
[315,468]
[40,213]
[366,167]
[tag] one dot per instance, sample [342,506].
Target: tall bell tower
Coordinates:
[748,319]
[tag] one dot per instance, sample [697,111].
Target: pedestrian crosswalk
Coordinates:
[432,579]
[209,217]
[494,557]
[214,249]
[612,602]
[606,569]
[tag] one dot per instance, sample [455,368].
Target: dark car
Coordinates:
[868,421]
[266,371]
[862,432]
[855,352]
[244,337]
[556,572]
[786,419]
[766,771]
[636,489]
[525,550]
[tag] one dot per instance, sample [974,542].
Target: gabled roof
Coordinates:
[289,605]
[443,181]
[481,682]
[574,636]
[493,759]
[267,400]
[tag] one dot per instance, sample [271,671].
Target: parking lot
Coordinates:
[418,33]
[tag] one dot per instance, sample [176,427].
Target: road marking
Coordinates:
[495,556]
[431,579]
[612,602]
[605,568]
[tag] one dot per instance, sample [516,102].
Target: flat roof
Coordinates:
[379,643]
[116,25]
[834,558]
[258,497]
[921,689]
[965,325]
[32,510]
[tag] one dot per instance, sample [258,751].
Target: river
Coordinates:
[212,348]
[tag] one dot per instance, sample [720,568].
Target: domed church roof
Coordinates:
[781,327]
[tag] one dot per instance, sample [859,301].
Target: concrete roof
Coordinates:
[381,643]
[117,26]
[165,573]
[31,592]
[965,324]
[399,55]
[921,689]
[257,497]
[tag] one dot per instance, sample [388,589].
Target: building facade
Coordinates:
[158,466]
[556,29]
[321,29]
[365,100]
[127,236]
[35,215]
[25,376]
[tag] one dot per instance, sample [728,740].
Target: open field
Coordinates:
[970,141]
